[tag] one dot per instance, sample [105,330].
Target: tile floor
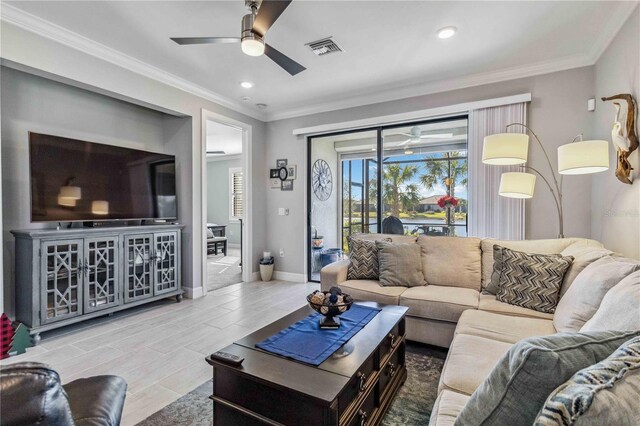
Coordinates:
[160,348]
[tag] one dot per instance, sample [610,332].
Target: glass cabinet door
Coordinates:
[61,275]
[138,274]
[166,262]
[101,288]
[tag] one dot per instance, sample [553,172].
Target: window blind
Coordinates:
[236,194]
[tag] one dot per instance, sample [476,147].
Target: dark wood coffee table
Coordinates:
[356,389]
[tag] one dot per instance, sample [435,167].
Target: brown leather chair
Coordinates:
[31,393]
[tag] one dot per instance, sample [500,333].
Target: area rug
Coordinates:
[412,405]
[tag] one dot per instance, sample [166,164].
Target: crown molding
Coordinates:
[397,92]
[21,19]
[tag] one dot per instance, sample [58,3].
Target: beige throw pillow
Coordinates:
[400,264]
[620,308]
[583,298]
[583,256]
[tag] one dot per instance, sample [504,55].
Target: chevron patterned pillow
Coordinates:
[531,280]
[363,255]
[604,393]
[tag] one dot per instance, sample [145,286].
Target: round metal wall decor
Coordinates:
[322,180]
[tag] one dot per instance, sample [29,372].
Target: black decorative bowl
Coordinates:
[330,312]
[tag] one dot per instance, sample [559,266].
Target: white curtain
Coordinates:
[490,215]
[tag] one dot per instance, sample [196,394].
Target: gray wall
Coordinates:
[616,207]
[557,113]
[218,196]
[324,214]
[31,103]
[37,54]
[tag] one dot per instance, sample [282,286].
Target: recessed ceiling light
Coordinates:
[245,98]
[246,84]
[261,106]
[447,32]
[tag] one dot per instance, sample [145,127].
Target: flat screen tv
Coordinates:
[73,180]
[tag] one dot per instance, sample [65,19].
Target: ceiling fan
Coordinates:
[254,27]
[416,135]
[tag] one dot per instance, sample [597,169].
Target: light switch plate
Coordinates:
[281,211]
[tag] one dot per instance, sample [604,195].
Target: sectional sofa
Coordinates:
[452,311]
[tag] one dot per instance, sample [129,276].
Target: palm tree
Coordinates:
[397,193]
[439,171]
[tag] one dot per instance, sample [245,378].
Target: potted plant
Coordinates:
[447,201]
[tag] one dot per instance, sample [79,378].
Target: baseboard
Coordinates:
[193,293]
[289,276]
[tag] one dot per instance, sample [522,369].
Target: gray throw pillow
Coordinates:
[521,381]
[620,308]
[605,393]
[584,296]
[363,255]
[400,264]
[531,280]
[493,286]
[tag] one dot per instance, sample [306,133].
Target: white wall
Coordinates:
[557,113]
[24,49]
[616,206]
[324,214]
[218,196]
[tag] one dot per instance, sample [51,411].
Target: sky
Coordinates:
[439,189]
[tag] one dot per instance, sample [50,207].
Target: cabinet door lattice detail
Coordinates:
[62,289]
[101,270]
[166,262]
[138,267]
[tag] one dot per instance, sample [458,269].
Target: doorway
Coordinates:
[224,182]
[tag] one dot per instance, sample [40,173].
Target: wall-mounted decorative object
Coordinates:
[275,183]
[283,173]
[281,163]
[321,180]
[292,170]
[273,173]
[623,135]
[287,185]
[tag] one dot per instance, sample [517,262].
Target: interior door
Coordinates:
[61,275]
[101,282]
[166,262]
[138,273]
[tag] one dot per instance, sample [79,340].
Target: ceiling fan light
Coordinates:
[252,46]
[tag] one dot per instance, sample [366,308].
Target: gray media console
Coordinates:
[67,276]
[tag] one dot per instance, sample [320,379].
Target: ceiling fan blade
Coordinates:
[405,142]
[268,13]
[288,64]
[437,136]
[205,40]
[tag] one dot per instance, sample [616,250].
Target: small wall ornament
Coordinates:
[623,135]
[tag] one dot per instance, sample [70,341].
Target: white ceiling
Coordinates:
[221,137]
[391,48]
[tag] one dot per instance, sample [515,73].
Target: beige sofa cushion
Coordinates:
[508,329]
[583,298]
[439,302]
[550,246]
[620,308]
[451,261]
[469,362]
[489,303]
[447,407]
[370,290]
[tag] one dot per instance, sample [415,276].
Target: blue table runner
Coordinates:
[304,341]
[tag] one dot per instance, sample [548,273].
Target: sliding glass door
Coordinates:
[423,163]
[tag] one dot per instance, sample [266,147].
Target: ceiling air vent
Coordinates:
[324,46]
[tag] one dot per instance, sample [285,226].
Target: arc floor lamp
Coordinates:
[576,158]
